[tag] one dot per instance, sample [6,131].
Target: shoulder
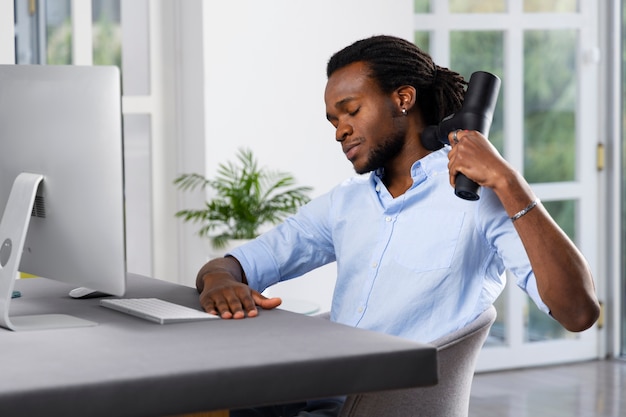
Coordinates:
[357,181]
[353,186]
[434,163]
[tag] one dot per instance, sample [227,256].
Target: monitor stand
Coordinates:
[13,228]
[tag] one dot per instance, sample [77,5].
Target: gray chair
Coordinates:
[457,354]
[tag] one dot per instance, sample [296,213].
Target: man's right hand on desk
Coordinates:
[224,291]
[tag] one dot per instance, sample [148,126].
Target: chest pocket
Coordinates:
[427,241]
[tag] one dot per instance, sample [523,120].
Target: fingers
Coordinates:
[236,302]
[453,137]
[467,155]
[266,303]
[473,155]
[230,303]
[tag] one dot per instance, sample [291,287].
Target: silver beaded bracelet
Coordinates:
[524,210]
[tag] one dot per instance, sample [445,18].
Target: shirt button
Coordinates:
[374,264]
[388,219]
[360,310]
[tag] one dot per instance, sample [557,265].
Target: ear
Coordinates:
[405,97]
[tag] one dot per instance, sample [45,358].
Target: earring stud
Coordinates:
[404,112]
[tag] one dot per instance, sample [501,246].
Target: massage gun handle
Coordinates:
[466,188]
[463,187]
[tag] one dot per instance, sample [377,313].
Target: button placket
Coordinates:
[388,224]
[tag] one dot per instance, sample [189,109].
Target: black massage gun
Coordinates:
[475,114]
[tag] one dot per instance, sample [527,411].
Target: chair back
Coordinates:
[456,357]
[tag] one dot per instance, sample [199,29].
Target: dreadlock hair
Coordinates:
[395,62]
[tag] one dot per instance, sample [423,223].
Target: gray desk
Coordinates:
[126,366]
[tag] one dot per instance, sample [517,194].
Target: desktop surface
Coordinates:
[129,366]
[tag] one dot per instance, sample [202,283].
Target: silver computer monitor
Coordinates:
[61,182]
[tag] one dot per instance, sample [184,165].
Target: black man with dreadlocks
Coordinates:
[413,260]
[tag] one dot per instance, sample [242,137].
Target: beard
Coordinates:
[383,153]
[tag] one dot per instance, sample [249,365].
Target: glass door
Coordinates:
[545,53]
[622,284]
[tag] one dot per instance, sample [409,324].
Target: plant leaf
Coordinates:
[247,197]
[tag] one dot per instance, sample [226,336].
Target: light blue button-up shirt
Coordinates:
[417,266]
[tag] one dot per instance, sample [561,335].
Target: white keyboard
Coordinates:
[155,309]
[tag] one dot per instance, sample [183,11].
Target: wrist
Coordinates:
[525,210]
[506,181]
[515,195]
[221,268]
[219,273]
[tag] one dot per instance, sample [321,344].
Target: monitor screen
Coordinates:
[61,160]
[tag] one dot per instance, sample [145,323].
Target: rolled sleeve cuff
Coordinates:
[529,285]
[257,263]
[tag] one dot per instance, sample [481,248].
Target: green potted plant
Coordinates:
[246,198]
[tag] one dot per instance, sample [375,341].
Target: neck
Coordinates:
[397,173]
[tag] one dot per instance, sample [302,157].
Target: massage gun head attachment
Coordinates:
[476,113]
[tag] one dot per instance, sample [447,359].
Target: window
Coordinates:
[534,46]
[45,35]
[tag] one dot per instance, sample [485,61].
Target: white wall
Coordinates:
[265,76]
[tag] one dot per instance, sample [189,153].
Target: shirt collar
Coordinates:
[421,169]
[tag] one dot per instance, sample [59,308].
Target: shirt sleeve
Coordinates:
[300,244]
[501,233]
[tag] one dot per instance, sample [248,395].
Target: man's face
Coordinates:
[368,123]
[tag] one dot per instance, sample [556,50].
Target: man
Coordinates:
[413,259]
